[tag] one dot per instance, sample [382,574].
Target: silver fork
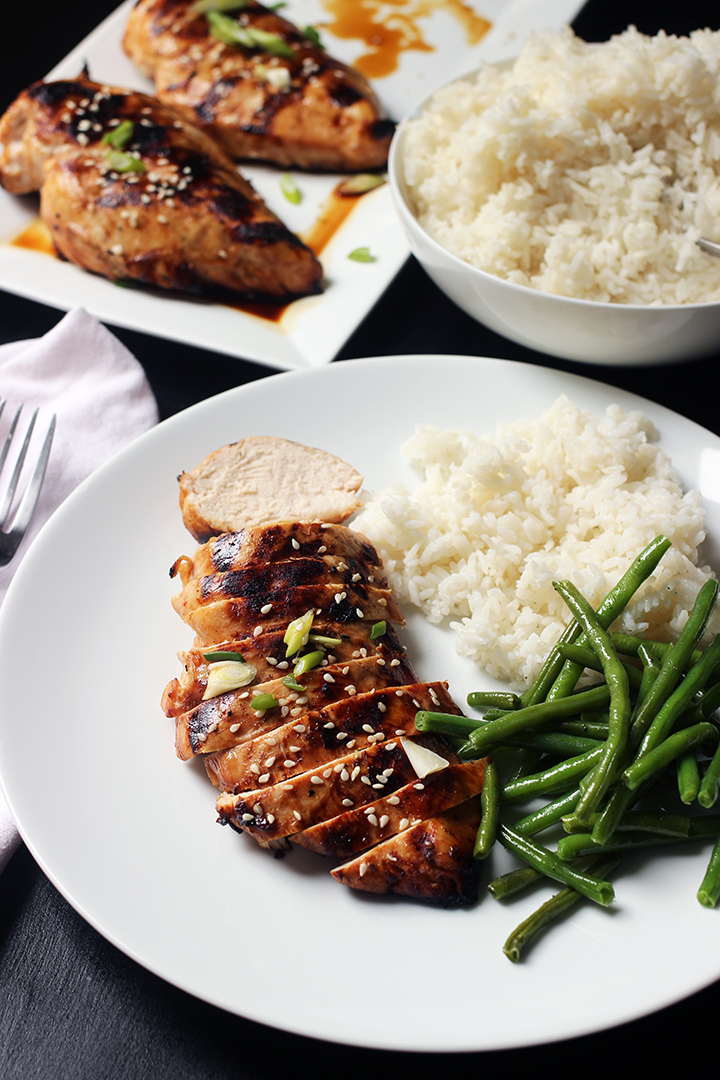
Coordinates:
[10,540]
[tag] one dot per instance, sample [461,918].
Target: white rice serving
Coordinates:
[493,520]
[586,170]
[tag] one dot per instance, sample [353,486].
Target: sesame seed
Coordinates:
[248,817]
[300,728]
[382,707]
[329,726]
[222,254]
[355,577]
[295,544]
[358,612]
[391,745]
[369,728]
[419,787]
[369,810]
[258,629]
[289,763]
[372,819]
[316,779]
[355,773]
[294,749]
[269,762]
[264,778]
[363,869]
[344,774]
[383,821]
[297,815]
[271,818]
[342,734]
[202,737]
[271,661]
[394,800]
[283,665]
[255,769]
[163,221]
[82,139]
[350,690]
[365,780]
[322,549]
[327,677]
[327,773]
[351,744]
[265,609]
[394,663]
[234,728]
[404,823]
[116,249]
[347,802]
[380,662]
[382,601]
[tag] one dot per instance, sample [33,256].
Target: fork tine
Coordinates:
[10,493]
[32,492]
[8,440]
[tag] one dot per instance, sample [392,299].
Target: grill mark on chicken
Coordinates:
[209,726]
[348,724]
[185,219]
[328,768]
[425,862]
[286,808]
[232,551]
[358,830]
[267,654]
[323,116]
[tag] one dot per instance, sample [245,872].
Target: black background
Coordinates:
[71,1005]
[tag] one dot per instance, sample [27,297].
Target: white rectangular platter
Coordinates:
[312,330]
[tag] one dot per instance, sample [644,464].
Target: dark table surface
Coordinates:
[71,1004]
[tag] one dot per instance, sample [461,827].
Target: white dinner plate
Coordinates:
[128,833]
[312,330]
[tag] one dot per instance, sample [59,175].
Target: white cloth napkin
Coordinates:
[102,399]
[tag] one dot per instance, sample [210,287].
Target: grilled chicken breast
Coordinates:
[278,97]
[165,207]
[328,757]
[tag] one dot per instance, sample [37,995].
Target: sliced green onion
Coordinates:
[312,35]
[272,43]
[360,183]
[223,654]
[361,254]
[308,662]
[226,675]
[124,163]
[320,639]
[201,7]
[119,136]
[225,29]
[298,632]
[290,189]
[378,629]
[262,702]
[292,684]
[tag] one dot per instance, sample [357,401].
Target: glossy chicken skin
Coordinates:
[306,110]
[330,759]
[180,218]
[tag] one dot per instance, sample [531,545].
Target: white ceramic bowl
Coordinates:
[585,330]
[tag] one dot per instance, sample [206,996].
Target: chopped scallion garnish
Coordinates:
[320,639]
[201,7]
[292,684]
[360,183]
[222,654]
[308,662]
[361,254]
[230,32]
[290,189]
[123,163]
[262,702]
[312,35]
[296,635]
[378,629]
[118,137]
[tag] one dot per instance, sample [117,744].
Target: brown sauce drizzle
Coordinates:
[389,33]
[36,237]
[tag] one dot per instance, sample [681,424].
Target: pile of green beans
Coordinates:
[593,753]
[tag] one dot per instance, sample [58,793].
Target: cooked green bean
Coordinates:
[446,723]
[667,751]
[619,707]
[490,803]
[493,699]
[675,661]
[557,778]
[551,910]
[582,655]
[556,743]
[513,882]
[550,864]
[710,783]
[688,776]
[493,732]
[548,815]
[709,890]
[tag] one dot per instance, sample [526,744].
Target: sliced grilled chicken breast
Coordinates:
[278,98]
[166,208]
[422,862]
[327,757]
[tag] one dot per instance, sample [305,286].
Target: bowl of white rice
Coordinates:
[558,198]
